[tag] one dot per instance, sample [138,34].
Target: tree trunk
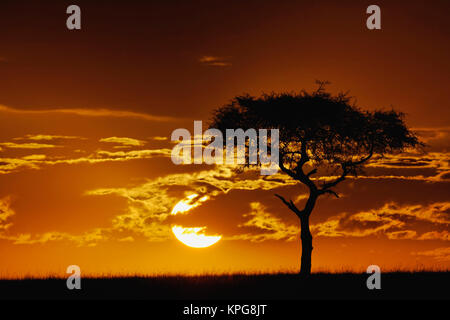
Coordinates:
[306,243]
[305,233]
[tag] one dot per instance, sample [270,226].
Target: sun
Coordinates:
[192,237]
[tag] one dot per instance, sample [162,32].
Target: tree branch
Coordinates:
[356,163]
[346,168]
[290,205]
[330,192]
[313,171]
[283,168]
[332,184]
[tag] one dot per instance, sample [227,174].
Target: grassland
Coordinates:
[394,285]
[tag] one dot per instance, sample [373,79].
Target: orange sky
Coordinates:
[74,191]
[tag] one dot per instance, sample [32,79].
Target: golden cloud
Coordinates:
[272,228]
[5,213]
[150,204]
[90,238]
[124,141]
[157,138]
[215,61]
[46,137]
[435,235]
[31,145]
[436,160]
[91,113]
[440,254]
[35,157]
[9,165]
[391,220]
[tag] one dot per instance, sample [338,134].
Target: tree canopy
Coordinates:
[319,130]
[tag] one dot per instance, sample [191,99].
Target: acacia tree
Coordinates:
[323,139]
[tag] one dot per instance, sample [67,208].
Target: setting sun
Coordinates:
[192,237]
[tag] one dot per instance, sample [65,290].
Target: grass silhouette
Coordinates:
[282,286]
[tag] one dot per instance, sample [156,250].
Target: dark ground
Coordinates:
[421,285]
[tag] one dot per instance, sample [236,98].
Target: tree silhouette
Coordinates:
[323,138]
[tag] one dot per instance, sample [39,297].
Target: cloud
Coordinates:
[402,235]
[437,164]
[90,238]
[269,226]
[440,177]
[392,220]
[147,209]
[35,157]
[150,204]
[215,61]
[440,254]
[9,165]
[433,135]
[220,179]
[102,156]
[126,239]
[5,213]
[31,145]
[301,197]
[46,137]
[156,138]
[91,113]
[436,160]
[435,235]
[124,141]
